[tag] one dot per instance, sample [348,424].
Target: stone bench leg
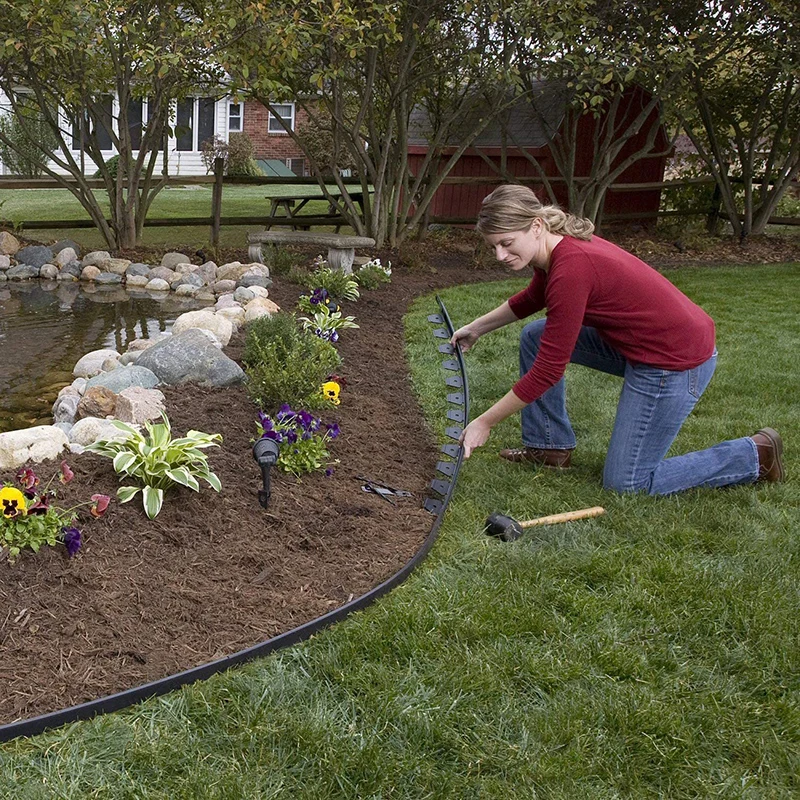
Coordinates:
[254,253]
[341,259]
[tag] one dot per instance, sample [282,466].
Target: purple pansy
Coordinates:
[333,429]
[72,540]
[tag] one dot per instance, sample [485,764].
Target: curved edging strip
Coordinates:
[115,702]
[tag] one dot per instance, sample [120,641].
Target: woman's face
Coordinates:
[517,249]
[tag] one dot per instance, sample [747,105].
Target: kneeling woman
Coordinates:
[607,310]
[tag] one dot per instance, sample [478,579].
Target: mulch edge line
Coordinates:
[121,700]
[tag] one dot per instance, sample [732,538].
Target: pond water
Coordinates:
[46,327]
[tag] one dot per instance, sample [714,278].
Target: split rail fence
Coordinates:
[216,219]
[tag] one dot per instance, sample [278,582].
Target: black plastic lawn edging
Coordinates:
[444,487]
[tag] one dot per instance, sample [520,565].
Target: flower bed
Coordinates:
[214,573]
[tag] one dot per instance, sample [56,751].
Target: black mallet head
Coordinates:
[503,527]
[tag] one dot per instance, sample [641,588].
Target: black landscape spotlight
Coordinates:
[265,452]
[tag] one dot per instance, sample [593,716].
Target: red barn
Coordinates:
[529,128]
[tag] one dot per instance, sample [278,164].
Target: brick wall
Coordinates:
[266,144]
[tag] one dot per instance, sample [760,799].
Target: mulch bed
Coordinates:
[214,574]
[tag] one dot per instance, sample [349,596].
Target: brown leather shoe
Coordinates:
[553,459]
[770,455]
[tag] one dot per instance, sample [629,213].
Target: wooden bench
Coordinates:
[341,249]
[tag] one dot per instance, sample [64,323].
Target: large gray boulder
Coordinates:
[34,255]
[189,357]
[123,378]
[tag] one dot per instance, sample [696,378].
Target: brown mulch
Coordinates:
[214,574]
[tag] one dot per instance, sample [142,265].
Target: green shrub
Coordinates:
[280,260]
[338,285]
[112,164]
[30,141]
[285,364]
[158,461]
[373,274]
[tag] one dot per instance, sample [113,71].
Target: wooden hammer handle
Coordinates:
[567,516]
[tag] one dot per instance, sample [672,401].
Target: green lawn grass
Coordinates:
[19,205]
[652,652]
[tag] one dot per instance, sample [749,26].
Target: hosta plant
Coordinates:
[158,461]
[339,285]
[326,324]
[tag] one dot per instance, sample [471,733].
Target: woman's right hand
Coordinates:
[466,337]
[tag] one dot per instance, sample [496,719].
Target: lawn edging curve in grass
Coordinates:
[442,486]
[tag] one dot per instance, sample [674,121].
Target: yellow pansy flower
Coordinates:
[331,391]
[12,502]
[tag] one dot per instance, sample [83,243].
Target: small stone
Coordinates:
[223,287]
[97,402]
[110,364]
[205,319]
[66,406]
[116,265]
[258,291]
[157,285]
[5,262]
[64,257]
[8,244]
[79,384]
[94,429]
[243,295]
[73,268]
[207,271]
[48,272]
[107,278]
[137,269]
[136,280]
[128,358]
[190,278]
[22,272]
[225,301]
[259,307]
[171,260]
[136,405]
[34,255]
[164,273]
[254,280]
[31,444]
[186,290]
[89,273]
[96,257]
[205,294]
[124,378]
[235,314]
[66,277]
[92,363]
[63,244]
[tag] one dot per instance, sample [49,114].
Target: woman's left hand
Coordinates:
[474,435]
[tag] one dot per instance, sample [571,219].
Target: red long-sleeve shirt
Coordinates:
[634,308]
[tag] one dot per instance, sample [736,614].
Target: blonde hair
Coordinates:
[514,208]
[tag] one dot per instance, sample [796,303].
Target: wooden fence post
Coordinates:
[216,200]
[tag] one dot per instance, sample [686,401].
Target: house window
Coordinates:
[194,122]
[297,165]
[234,117]
[286,113]
[135,121]
[101,131]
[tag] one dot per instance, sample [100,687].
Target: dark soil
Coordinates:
[214,574]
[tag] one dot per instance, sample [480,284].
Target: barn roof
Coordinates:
[529,121]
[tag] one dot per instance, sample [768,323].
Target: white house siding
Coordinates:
[180,162]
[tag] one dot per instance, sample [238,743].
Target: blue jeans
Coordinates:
[652,407]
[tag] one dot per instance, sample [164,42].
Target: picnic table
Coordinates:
[293,203]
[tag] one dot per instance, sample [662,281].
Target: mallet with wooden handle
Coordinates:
[508,529]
